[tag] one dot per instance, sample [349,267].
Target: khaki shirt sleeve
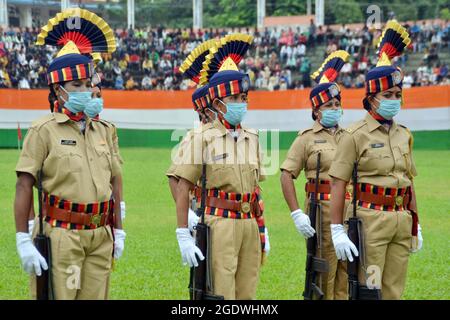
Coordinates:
[178,157]
[115,141]
[296,157]
[33,153]
[262,171]
[413,166]
[413,170]
[171,171]
[342,165]
[190,165]
[116,159]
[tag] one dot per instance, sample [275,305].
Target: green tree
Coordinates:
[445,14]
[286,7]
[343,11]
[229,13]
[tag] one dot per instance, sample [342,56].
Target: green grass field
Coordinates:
[151,265]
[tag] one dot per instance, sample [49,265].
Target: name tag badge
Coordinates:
[320,141]
[220,156]
[377,145]
[66,142]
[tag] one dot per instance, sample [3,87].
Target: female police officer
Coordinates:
[77,162]
[385,169]
[321,138]
[231,156]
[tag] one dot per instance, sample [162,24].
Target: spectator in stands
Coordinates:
[155,54]
[146,83]
[119,83]
[23,83]
[130,84]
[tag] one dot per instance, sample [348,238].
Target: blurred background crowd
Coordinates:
[280,58]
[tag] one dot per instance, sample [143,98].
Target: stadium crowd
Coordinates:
[280,59]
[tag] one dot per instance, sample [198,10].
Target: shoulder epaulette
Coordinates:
[302,132]
[38,123]
[355,126]
[252,131]
[106,123]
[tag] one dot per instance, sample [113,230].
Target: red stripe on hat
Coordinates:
[82,71]
[55,76]
[68,72]
[235,86]
[222,90]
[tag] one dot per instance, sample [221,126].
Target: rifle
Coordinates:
[42,244]
[357,291]
[314,265]
[200,285]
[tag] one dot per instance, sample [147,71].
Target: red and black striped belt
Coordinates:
[382,198]
[230,204]
[323,189]
[71,215]
[235,206]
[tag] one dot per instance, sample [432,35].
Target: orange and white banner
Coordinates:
[425,108]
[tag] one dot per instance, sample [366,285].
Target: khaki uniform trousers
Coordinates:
[81,262]
[387,244]
[236,257]
[334,284]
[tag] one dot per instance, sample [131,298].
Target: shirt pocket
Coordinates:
[327,153]
[403,162]
[104,161]
[222,176]
[70,159]
[375,160]
[250,177]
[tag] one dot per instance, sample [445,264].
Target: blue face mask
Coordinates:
[235,112]
[94,107]
[77,100]
[330,117]
[388,108]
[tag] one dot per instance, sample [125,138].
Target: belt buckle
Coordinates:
[399,201]
[96,219]
[245,207]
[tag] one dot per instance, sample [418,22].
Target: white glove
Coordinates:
[32,260]
[267,245]
[302,223]
[30,226]
[119,243]
[419,240]
[122,210]
[192,220]
[342,244]
[188,248]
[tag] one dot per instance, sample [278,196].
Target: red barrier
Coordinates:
[420,97]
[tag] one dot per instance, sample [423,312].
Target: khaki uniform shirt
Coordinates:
[384,156]
[302,154]
[76,167]
[232,165]
[179,153]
